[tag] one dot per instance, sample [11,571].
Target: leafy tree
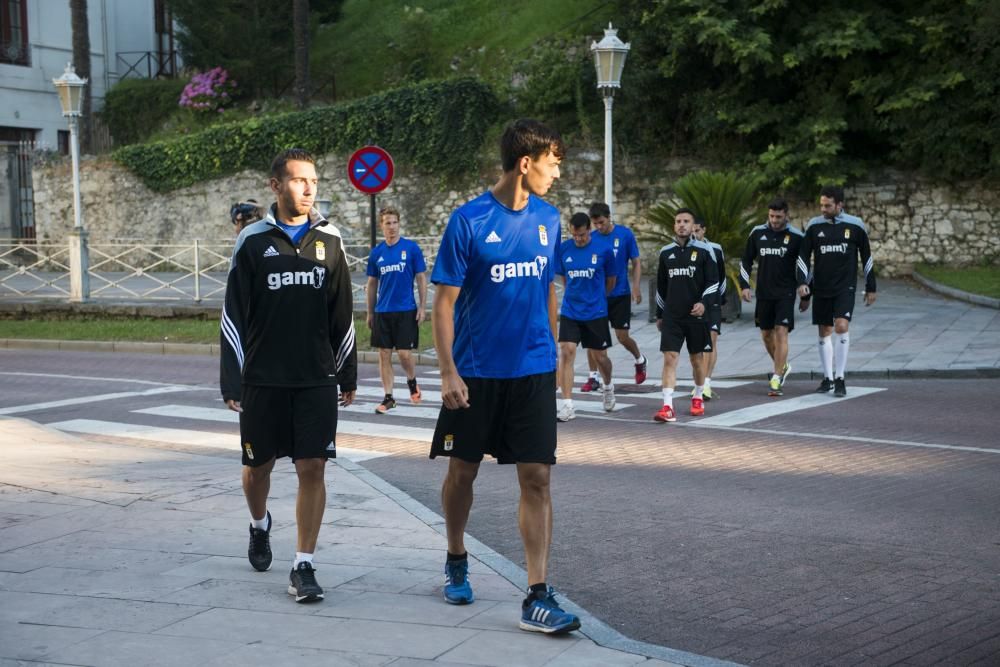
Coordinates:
[252,39]
[300,22]
[808,93]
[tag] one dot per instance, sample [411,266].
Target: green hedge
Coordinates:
[438,127]
[135,108]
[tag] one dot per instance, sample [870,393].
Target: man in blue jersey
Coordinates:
[714,315]
[621,241]
[832,243]
[494,331]
[394,316]
[588,274]
[287,342]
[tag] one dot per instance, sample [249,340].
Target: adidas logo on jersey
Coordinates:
[493,238]
[569,260]
[380,260]
[270,252]
[763,238]
[672,256]
[821,235]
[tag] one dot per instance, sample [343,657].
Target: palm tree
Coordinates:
[728,203]
[81,63]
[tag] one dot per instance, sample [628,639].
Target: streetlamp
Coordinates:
[70,89]
[609,58]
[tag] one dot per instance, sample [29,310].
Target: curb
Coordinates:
[977,299]
[194,349]
[978,372]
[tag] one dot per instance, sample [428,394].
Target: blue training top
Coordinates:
[503,260]
[395,266]
[294,232]
[621,241]
[585,269]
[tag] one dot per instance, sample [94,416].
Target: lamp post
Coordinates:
[609,58]
[70,89]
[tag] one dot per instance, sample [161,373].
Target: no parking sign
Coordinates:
[370,169]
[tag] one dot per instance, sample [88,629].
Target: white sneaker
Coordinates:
[566,412]
[609,399]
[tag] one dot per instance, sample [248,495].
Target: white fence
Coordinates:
[142,271]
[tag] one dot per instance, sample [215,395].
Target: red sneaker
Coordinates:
[666,414]
[640,372]
[697,407]
[590,385]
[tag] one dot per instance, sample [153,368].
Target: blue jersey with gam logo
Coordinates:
[585,270]
[395,266]
[621,241]
[503,261]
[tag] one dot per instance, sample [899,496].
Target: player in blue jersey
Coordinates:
[588,274]
[714,314]
[621,241]
[832,244]
[394,316]
[494,331]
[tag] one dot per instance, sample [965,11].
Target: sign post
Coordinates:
[370,170]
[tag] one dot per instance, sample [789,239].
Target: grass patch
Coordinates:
[983,280]
[152,330]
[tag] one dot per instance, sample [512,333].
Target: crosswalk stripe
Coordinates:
[775,408]
[400,380]
[435,397]
[18,409]
[192,438]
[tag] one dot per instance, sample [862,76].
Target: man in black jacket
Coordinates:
[287,342]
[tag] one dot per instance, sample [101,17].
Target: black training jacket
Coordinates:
[776,253]
[832,247]
[685,275]
[288,319]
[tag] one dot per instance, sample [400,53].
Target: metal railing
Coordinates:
[140,271]
[146,64]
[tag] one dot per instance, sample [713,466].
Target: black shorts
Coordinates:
[513,420]
[281,421]
[673,334]
[398,330]
[828,308]
[714,319]
[593,334]
[769,313]
[620,311]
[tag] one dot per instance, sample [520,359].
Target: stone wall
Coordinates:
[910,221]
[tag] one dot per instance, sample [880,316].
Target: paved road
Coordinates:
[859,531]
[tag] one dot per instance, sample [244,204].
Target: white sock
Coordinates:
[302,558]
[668,396]
[595,375]
[610,387]
[708,383]
[842,343]
[567,402]
[259,524]
[699,390]
[826,356]
[640,359]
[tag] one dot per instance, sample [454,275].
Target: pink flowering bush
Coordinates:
[208,91]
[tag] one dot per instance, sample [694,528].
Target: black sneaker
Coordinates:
[259,551]
[302,584]
[388,403]
[825,386]
[840,387]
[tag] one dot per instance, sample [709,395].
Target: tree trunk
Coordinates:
[81,62]
[300,28]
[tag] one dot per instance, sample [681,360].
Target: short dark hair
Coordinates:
[288,155]
[778,204]
[685,210]
[700,222]
[528,137]
[834,192]
[599,210]
[579,220]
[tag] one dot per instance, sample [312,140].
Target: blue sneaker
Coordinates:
[457,589]
[545,615]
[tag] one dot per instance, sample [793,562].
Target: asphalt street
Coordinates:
[843,531]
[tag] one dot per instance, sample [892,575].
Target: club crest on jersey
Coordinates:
[847,233]
[543,235]
[449,442]
[787,237]
[593,258]
[402,255]
[320,250]
[694,255]
[617,241]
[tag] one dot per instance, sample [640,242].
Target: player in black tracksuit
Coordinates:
[287,343]
[775,247]
[714,315]
[687,286]
[833,242]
